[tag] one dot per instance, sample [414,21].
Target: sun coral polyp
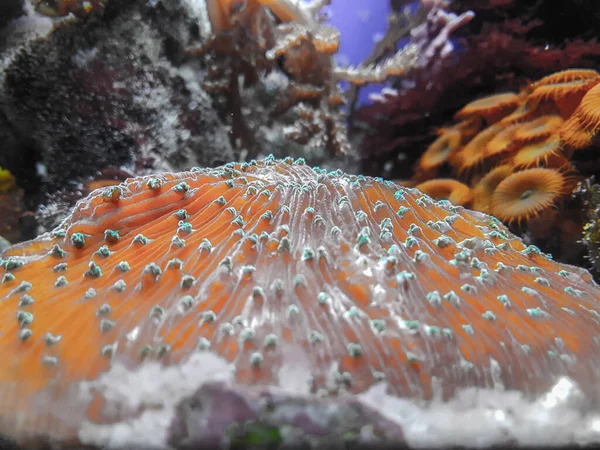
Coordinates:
[547,153]
[502,144]
[492,108]
[438,153]
[566,96]
[537,129]
[371,282]
[469,160]
[575,136]
[526,193]
[566,76]
[588,111]
[485,187]
[447,189]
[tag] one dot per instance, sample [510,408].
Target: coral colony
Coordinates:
[516,155]
[377,281]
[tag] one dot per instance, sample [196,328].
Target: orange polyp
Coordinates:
[447,189]
[485,187]
[502,143]
[492,108]
[527,110]
[566,95]
[588,111]
[547,153]
[526,193]
[468,160]
[538,129]
[357,273]
[439,152]
[566,76]
[573,134]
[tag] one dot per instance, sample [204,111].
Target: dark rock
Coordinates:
[9,10]
[107,92]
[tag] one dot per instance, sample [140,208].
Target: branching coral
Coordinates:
[368,281]
[292,36]
[252,38]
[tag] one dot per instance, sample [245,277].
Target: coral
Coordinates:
[266,36]
[485,187]
[538,129]
[438,153]
[526,193]
[492,108]
[521,160]
[366,279]
[447,189]
[546,152]
[249,43]
[524,130]
[500,49]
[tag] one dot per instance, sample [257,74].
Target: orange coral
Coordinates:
[538,129]
[467,128]
[566,76]
[526,193]
[574,135]
[376,281]
[566,95]
[588,111]
[492,108]
[547,153]
[502,143]
[542,126]
[485,187]
[526,111]
[438,152]
[447,189]
[469,159]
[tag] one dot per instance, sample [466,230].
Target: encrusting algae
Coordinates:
[377,283]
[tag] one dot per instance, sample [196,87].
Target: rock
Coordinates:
[110,91]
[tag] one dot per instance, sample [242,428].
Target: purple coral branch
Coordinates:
[433,36]
[429,43]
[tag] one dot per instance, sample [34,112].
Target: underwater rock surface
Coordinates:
[106,93]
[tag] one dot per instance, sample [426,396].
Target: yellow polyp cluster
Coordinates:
[358,274]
